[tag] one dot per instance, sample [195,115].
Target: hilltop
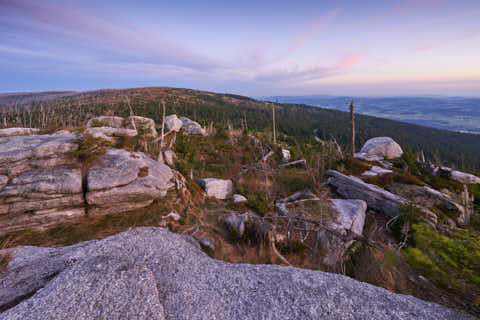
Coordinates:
[386,217]
[299,122]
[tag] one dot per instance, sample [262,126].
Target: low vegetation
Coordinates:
[90,148]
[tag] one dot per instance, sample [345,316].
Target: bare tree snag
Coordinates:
[352,115]
[131,113]
[274,126]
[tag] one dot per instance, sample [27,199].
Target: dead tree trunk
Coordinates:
[352,115]
[274,126]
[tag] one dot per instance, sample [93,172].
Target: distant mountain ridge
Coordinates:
[451,113]
[22,98]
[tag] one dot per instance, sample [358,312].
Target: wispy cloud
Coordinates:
[297,73]
[116,47]
[103,31]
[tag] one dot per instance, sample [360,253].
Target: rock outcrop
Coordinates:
[462,177]
[216,188]
[113,127]
[146,124]
[110,134]
[378,199]
[10,132]
[173,123]
[429,198]
[150,273]
[122,181]
[382,146]
[192,127]
[23,153]
[106,121]
[41,183]
[41,197]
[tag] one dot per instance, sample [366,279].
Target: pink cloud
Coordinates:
[350,61]
[296,73]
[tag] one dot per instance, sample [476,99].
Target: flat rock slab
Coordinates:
[368,157]
[376,171]
[464,178]
[117,278]
[378,199]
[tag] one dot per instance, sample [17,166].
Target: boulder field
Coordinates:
[151,273]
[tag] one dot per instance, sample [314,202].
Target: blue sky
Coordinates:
[396,47]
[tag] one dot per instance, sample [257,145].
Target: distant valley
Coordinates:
[460,114]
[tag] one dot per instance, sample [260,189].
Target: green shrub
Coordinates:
[407,162]
[258,203]
[90,148]
[449,260]
[439,183]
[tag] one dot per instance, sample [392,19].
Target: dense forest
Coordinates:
[299,122]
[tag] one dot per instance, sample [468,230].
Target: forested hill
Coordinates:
[299,121]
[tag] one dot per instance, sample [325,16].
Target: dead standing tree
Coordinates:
[274,126]
[352,115]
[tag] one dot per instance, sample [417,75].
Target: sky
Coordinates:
[254,48]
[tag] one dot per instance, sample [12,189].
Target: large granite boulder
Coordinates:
[382,146]
[10,132]
[173,123]
[150,273]
[216,188]
[41,198]
[192,127]
[122,181]
[378,199]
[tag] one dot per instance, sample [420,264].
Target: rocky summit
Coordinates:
[151,273]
